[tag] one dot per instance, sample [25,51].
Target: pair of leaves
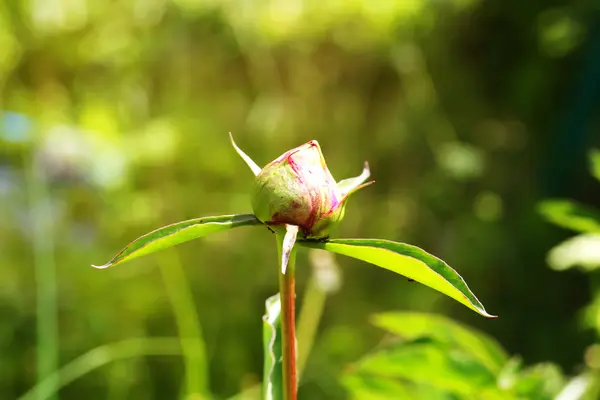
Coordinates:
[401,258]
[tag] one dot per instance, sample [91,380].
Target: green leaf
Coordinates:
[424,364]
[414,325]
[583,386]
[272,372]
[177,233]
[541,381]
[436,359]
[409,261]
[365,386]
[579,251]
[595,163]
[571,215]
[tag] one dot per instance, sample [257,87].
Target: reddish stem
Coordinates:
[287,285]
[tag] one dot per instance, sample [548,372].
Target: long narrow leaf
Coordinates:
[177,233]
[272,373]
[407,260]
[100,356]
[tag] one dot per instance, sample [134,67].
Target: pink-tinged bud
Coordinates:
[298,189]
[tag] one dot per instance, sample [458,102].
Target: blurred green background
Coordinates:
[114,118]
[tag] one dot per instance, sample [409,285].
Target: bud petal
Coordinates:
[297,189]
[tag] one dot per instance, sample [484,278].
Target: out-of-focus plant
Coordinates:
[582,251]
[428,356]
[296,197]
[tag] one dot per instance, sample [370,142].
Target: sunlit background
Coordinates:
[113,121]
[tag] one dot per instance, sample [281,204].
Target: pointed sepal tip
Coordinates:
[255,168]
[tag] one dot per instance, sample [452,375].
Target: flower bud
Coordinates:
[298,189]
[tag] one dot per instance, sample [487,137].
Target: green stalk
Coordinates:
[325,279]
[193,345]
[287,284]
[308,321]
[186,317]
[45,279]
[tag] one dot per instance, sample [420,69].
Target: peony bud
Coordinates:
[298,189]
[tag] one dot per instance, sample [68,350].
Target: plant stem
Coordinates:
[287,284]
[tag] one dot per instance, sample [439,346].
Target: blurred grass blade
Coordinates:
[47,336]
[177,233]
[187,320]
[99,357]
[414,325]
[571,215]
[272,373]
[325,280]
[407,260]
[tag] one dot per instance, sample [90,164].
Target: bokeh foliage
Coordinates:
[114,121]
